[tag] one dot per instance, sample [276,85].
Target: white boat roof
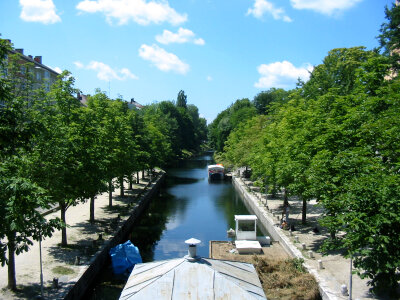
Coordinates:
[216,166]
[204,278]
[245,217]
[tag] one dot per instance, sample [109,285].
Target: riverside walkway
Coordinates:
[335,270]
[83,242]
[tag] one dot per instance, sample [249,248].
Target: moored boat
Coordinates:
[216,172]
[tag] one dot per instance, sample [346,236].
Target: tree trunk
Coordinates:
[285,204]
[131,182]
[110,193]
[92,209]
[285,198]
[121,183]
[12,281]
[137,177]
[143,173]
[63,209]
[304,212]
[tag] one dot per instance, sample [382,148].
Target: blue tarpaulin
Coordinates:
[124,257]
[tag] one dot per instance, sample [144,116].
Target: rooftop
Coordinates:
[203,278]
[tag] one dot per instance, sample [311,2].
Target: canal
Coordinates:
[187,206]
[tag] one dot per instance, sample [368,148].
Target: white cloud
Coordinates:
[281,74]
[199,41]
[78,64]
[105,72]
[209,78]
[327,7]
[57,69]
[182,36]
[262,7]
[142,12]
[42,11]
[162,59]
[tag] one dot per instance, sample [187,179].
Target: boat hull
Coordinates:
[215,176]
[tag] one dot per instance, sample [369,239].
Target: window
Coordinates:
[245,225]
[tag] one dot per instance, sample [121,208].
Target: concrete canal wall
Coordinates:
[99,260]
[271,224]
[265,218]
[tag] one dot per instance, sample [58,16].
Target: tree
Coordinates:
[92,156]
[55,151]
[199,126]
[227,120]
[21,198]
[389,39]
[264,100]
[337,72]
[181,100]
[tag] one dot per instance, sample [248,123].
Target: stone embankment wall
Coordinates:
[271,224]
[98,262]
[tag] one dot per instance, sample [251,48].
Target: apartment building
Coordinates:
[41,74]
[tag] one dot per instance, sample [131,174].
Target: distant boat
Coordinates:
[216,172]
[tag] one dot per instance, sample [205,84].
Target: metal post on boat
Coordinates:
[192,255]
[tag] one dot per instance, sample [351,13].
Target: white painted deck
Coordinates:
[203,279]
[245,247]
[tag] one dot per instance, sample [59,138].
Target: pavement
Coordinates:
[83,241]
[335,270]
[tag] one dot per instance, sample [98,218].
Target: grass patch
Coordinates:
[285,279]
[63,270]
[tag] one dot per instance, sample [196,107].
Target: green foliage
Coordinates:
[20,200]
[227,120]
[264,101]
[182,128]
[335,139]
[389,38]
[181,100]
[298,264]
[337,73]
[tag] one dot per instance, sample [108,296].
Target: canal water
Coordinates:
[187,206]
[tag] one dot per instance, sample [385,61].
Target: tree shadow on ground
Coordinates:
[85,249]
[89,242]
[32,291]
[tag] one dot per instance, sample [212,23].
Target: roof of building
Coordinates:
[134,104]
[37,61]
[203,278]
[245,217]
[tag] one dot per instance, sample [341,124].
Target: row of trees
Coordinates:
[55,151]
[241,111]
[335,138]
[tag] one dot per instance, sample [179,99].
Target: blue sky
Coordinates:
[217,51]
